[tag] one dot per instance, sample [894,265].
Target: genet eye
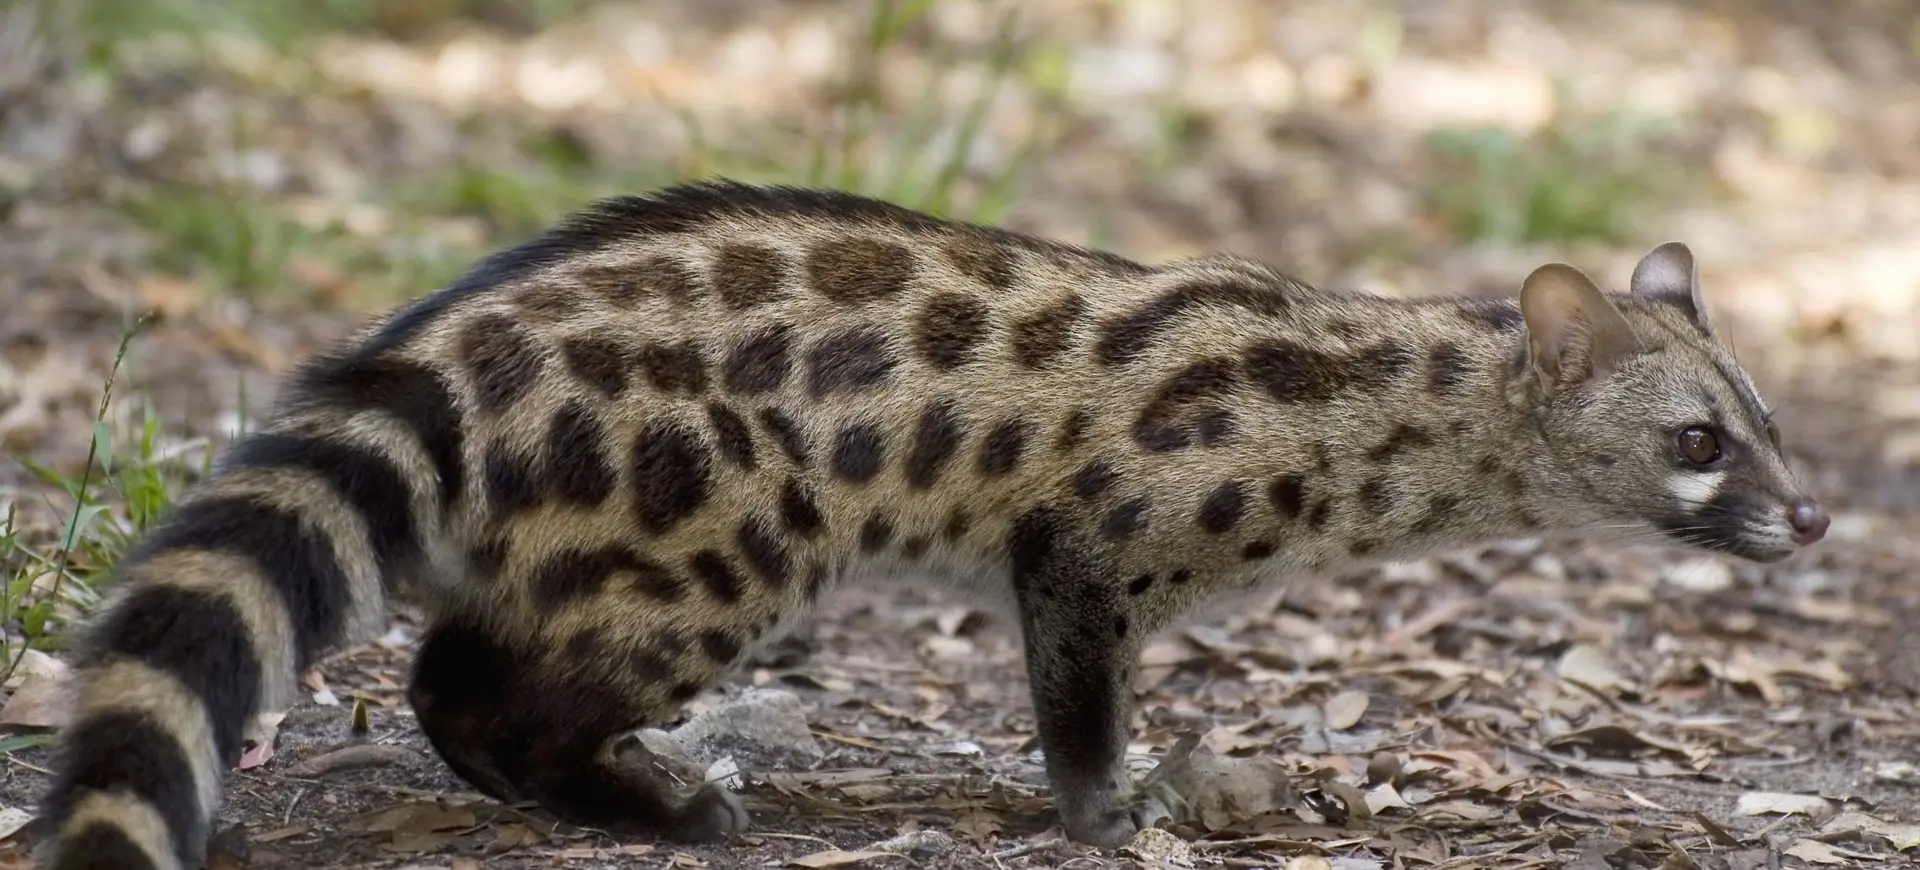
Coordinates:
[1699,445]
[1773,435]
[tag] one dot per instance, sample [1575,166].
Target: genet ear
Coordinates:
[1574,334]
[1668,275]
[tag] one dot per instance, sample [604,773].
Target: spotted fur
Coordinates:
[613,459]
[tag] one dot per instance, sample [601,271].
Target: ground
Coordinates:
[255,183]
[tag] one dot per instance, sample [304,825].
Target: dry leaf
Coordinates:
[1815,852]
[979,824]
[12,819]
[1903,836]
[1761,803]
[836,858]
[1344,710]
[419,818]
[1590,666]
[41,702]
[1385,797]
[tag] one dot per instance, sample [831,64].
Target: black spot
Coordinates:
[717,574]
[1375,497]
[1126,338]
[765,554]
[958,523]
[732,435]
[857,270]
[577,465]
[630,283]
[983,260]
[1000,450]
[875,534]
[683,692]
[1180,577]
[719,646]
[760,363]
[1317,513]
[1125,519]
[915,547]
[589,644]
[1094,479]
[950,329]
[1216,428]
[748,275]
[673,368]
[1293,372]
[798,508]
[501,358]
[672,475]
[1041,338]
[1449,370]
[1120,627]
[410,393]
[1222,509]
[571,575]
[849,362]
[1074,429]
[858,453]
[1288,494]
[598,362]
[1440,509]
[1140,584]
[1256,550]
[935,440]
[509,479]
[293,556]
[1403,437]
[127,752]
[360,475]
[1163,425]
[547,302]
[1363,547]
[786,433]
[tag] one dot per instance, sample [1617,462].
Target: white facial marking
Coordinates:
[1693,489]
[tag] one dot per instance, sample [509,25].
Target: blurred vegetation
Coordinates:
[230,238]
[1582,177]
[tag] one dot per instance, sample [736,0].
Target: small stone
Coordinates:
[918,845]
[1159,847]
[761,724]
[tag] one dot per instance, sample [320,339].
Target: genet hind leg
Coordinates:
[526,725]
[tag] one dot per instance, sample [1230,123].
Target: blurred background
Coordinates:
[255,177]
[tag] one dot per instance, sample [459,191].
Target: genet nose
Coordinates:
[1809,521]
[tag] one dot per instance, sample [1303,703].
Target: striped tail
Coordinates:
[277,559]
